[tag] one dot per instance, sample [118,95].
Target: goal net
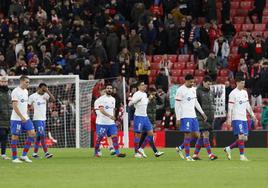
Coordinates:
[69,118]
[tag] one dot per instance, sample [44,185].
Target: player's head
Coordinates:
[3,81]
[240,82]
[24,82]
[42,88]
[141,86]
[207,81]
[189,80]
[108,89]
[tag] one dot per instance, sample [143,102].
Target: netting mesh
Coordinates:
[61,115]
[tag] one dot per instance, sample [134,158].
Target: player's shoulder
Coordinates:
[32,95]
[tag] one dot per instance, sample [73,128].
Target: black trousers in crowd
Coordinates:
[3,139]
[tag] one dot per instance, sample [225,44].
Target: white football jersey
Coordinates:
[39,103]
[108,103]
[21,96]
[187,98]
[140,101]
[239,99]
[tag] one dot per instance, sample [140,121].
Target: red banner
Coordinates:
[159,138]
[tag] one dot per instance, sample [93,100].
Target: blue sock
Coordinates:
[14,149]
[27,145]
[192,140]
[136,144]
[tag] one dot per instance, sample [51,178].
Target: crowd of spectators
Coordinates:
[110,38]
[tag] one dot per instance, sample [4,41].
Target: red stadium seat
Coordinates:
[199,73]
[219,5]
[183,58]
[181,80]
[259,27]
[242,12]
[265,12]
[153,73]
[257,109]
[198,79]
[149,58]
[155,66]
[234,5]
[190,65]
[234,50]
[187,71]
[255,33]
[157,58]
[265,19]
[247,27]
[238,27]
[172,58]
[152,80]
[179,65]
[222,79]
[224,72]
[239,20]
[174,79]
[176,72]
[233,13]
[246,5]
[265,34]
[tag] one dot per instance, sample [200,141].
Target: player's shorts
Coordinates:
[39,127]
[189,125]
[106,129]
[17,127]
[240,127]
[142,124]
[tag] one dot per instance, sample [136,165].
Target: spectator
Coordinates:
[257,49]
[244,48]
[161,103]
[264,79]
[259,6]
[151,108]
[142,67]
[256,98]
[168,121]
[211,13]
[162,80]
[228,30]
[264,115]
[201,53]
[225,11]
[211,66]
[183,37]
[5,110]
[161,40]
[222,51]
[173,37]
[134,42]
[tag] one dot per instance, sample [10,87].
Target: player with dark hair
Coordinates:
[185,104]
[205,98]
[237,117]
[142,123]
[38,101]
[105,122]
[20,120]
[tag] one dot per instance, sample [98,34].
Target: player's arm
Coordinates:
[101,109]
[200,110]
[51,96]
[178,99]
[135,99]
[16,109]
[231,103]
[251,113]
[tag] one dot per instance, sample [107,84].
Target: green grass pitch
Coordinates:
[77,168]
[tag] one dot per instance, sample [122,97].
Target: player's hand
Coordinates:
[205,117]
[45,89]
[178,123]
[23,119]
[255,121]
[228,122]
[112,117]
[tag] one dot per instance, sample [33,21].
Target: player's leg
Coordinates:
[143,140]
[138,128]
[42,133]
[110,145]
[208,146]
[243,137]
[37,140]
[29,128]
[112,130]
[148,127]
[15,127]
[198,146]
[185,128]
[100,132]
[3,141]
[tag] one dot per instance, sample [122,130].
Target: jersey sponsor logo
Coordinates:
[40,103]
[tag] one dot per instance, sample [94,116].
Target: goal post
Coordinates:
[68,119]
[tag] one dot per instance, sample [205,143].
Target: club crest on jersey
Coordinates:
[22,100]
[240,102]
[189,98]
[106,107]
